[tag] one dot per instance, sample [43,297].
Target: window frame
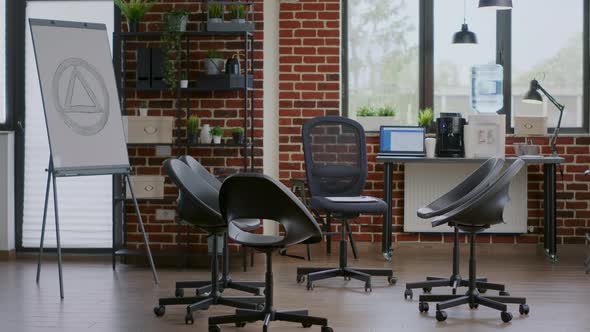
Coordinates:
[11,61]
[503,57]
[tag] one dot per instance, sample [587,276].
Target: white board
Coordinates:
[80,98]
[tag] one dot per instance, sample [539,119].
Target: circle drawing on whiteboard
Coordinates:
[80,96]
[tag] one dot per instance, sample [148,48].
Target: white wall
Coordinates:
[6,191]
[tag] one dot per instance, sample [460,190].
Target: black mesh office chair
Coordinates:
[198,204]
[463,192]
[225,281]
[479,213]
[258,196]
[336,166]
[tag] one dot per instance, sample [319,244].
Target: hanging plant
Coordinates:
[175,23]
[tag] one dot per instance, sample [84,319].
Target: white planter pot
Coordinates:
[183,84]
[143,111]
[238,20]
[216,139]
[205,136]
[215,20]
[214,66]
[373,123]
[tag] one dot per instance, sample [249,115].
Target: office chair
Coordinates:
[463,192]
[198,204]
[483,210]
[258,196]
[336,166]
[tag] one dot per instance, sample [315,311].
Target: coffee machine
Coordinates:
[449,132]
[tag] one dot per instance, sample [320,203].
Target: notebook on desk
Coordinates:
[402,141]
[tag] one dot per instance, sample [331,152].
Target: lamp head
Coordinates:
[464,36]
[496,4]
[533,96]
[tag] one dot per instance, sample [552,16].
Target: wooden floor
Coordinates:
[98,299]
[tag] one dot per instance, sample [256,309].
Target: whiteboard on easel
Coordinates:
[80,98]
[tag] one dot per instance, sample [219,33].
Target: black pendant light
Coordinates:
[496,4]
[464,36]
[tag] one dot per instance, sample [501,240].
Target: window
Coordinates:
[3,111]
[382,56]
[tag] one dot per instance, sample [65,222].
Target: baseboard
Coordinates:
[6,255]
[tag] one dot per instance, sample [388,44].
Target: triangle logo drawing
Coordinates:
[79,95]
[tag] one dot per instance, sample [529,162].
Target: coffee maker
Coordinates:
[449,132]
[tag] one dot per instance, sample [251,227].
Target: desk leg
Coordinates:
[550,224]
[387,220]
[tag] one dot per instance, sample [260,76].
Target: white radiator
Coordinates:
[426,182]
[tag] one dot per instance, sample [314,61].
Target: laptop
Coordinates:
[402,141]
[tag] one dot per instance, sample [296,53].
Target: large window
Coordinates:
[400,53]
[3,115]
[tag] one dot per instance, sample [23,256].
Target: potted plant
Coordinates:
[143,109]
[238,13]
[217,133]
[183,81]
[371,118]
[134,11]
[238,135]
[175,23]
[426,120]
[215,11]
[213,62]
[192,128]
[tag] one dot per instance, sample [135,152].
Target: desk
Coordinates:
[549,195]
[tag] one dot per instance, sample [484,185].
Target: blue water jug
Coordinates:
[487,88]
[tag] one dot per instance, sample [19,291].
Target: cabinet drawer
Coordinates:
[147,186]
[149,129]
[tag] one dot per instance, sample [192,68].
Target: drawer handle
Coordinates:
[149,188]
[150,130]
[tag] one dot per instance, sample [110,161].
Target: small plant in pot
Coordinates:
[178,19]
[192,129]
[215,11]
[426,120]
[143,109]
[217,133]
[237,135]
[175,22]
[213,62]
[372,118]
[238,13]
[134,11]
[183,81]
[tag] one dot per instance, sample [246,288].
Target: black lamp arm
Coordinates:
[560,107]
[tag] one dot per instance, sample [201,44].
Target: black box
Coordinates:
[143,67]
[157,73]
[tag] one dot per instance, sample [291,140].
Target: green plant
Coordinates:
[364,111]
[192,125]
[425,117]
[386,111]
[238,11]
[216,131]
[215,10]
[171,38]
[213,54]
[237,130]
[134,10]
[145,104]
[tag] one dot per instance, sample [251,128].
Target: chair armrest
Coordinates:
[587,172]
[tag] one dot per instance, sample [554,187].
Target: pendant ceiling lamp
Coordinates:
[464,36]
[496,4]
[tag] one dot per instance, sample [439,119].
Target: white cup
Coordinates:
[430,144]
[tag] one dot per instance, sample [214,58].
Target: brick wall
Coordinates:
[215,108]
[309,87]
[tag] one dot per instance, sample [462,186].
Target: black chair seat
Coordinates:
[253,240]
[348,209]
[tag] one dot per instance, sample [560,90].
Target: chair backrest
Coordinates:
[201,171]
[257,196]
[335,156]
[464,191]
[198,201]
[487,207]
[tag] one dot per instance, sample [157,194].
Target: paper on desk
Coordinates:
[355,199]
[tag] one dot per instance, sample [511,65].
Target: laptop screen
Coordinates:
[402,140]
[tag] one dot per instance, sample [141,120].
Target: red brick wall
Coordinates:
[310,87]
[215,108]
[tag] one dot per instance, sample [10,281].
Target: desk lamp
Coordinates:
[534,97]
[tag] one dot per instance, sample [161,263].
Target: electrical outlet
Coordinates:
[162,214]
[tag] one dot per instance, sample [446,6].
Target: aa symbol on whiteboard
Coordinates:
[80,96]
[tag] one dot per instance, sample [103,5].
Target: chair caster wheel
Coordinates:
[309,286]
[368,288]
[524,309]
[441,316]
[473,306]
[240,324]
[159,310]
[306,325]
[408,294]
[423,307]
[427,289]
[189,320]
[506,316]
[179,292]
[214,328]
[392,280]
[327,329]
[300,278]
[482,290]
[504,293]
